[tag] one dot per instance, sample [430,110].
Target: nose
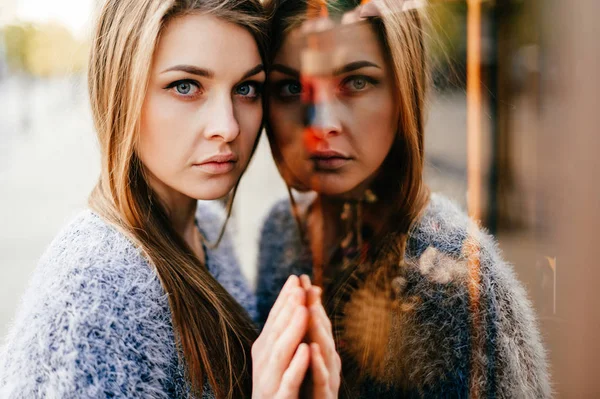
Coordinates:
[222,122]
[322,119]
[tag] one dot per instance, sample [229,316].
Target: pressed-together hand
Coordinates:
[280,359]
[324,359]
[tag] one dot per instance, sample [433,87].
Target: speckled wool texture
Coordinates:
[431,351]
[95,321]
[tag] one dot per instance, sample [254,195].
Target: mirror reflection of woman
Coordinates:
[421,301]
[131,299]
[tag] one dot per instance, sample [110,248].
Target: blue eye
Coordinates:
[249,89]
[185,88]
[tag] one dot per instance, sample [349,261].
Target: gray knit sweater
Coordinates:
[95,320]
[432,351]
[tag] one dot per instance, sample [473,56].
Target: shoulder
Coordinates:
[280,251]
[280,227]
[279,218]
[94,320]
[455,274]
[89,250]
[280,240]
[446,248]
[445,236]
[442,225]
[90,255]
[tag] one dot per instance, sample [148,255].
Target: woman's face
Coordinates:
[354,122]
[203,110]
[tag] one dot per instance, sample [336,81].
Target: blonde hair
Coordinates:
[213,332]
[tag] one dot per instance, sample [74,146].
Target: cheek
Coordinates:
[249,117]
[376,123]
[164,138]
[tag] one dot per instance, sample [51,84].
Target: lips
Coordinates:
[218,164]
[328,160]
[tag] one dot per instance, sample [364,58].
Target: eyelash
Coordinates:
[369,80]
[185,96]
[290,97]
[258,86]
[279,86]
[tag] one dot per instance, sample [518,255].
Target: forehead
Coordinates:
[208,42]
[345,44]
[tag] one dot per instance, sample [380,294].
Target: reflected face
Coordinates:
[202,111]
[337,146]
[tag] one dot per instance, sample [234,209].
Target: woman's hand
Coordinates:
[325,362]
[279,358]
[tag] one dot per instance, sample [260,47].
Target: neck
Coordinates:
[181,211]
[326,228]
[332,208]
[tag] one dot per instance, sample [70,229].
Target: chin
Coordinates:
[334,185]
[215,189]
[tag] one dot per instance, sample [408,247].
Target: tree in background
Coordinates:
[43,50]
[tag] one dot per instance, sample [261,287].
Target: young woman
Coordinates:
[421,301]
[129,300]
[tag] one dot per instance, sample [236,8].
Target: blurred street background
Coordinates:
[539,171]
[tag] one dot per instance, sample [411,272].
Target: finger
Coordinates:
[305,281]
[297,298]
[321,335]
[284,301]
[321,315]
[320,374]
[294,375]
[313,295]
[313,292]
[284,347]
[291,282]
[267,330]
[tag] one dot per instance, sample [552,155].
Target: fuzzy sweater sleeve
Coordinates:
[94,323]
[513,335]
[450,342]
[279,241]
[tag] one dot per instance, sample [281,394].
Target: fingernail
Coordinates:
[305,281]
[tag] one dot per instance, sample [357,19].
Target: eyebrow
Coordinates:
[286,70]
[191,70]
[257,69]
[353,66]
[207,73]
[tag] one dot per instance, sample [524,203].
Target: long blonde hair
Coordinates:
[213,332]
